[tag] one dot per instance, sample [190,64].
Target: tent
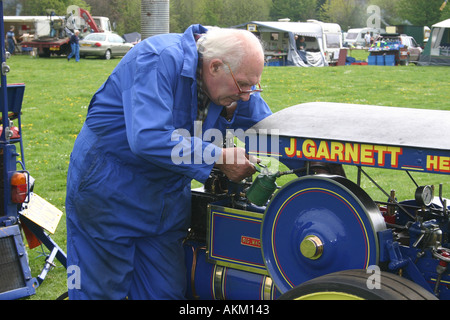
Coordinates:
[278,39]
[437,50]
[133,37]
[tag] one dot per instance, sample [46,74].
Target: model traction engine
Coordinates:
[321,232]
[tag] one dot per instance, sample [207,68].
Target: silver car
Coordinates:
[104,45]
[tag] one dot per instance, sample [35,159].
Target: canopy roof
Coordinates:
[307,29]
[24,19]
[442,24]
[405,127]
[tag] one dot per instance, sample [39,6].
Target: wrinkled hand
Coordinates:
[235,164]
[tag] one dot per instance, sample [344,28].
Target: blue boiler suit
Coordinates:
[128,204]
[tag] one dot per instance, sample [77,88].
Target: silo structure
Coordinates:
[154,17]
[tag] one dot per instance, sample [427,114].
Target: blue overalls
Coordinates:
[128,204]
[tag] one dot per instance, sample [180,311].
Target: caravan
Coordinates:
[332,39]
[280,46]
[323,41]
[355,37]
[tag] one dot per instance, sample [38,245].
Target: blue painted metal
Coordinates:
[234,238]
[21,283]
[325,208]
[212,281]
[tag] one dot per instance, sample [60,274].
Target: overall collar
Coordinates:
[190,50]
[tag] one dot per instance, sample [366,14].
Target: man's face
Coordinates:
[220,85]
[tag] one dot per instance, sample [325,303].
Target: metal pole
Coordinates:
[154,17]
[4,70]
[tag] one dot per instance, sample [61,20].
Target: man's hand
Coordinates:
[235,164]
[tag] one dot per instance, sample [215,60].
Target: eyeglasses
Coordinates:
[251,91]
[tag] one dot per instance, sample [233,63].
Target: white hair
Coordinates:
[229,45]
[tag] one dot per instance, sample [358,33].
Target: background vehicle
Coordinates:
[51,34]
[355,37]
[332,39]
[404,47]
[106,45]
[414,49]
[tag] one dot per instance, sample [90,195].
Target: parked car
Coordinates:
[106,45]
[414,50]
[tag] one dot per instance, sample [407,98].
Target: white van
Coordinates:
[332,39]
[355,37]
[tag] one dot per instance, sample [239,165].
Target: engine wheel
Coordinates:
[353,285]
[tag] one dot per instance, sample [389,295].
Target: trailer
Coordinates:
[50,35]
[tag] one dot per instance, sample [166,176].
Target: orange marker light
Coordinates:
[19,187]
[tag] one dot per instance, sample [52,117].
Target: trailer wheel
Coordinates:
[356,285]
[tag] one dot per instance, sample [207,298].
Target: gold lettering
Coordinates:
[322,151]
[309,149]
[290,152]
[337,151]
[395,152]
[444,164]
[352,152]
[432,163]
[380,150]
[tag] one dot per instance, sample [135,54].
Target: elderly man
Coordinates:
[128,203]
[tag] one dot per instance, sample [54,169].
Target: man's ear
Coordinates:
[215,65]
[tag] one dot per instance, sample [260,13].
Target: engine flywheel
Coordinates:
[316,225]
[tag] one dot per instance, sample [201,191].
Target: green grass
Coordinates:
[58,92]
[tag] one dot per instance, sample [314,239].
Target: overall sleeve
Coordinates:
[149,116]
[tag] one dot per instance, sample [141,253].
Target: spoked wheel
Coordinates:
[357,285]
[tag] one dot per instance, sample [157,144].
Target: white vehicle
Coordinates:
[332,39]
[49,35]
[355,37]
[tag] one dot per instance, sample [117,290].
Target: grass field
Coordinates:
[58,92]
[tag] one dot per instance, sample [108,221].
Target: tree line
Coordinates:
[125,15]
